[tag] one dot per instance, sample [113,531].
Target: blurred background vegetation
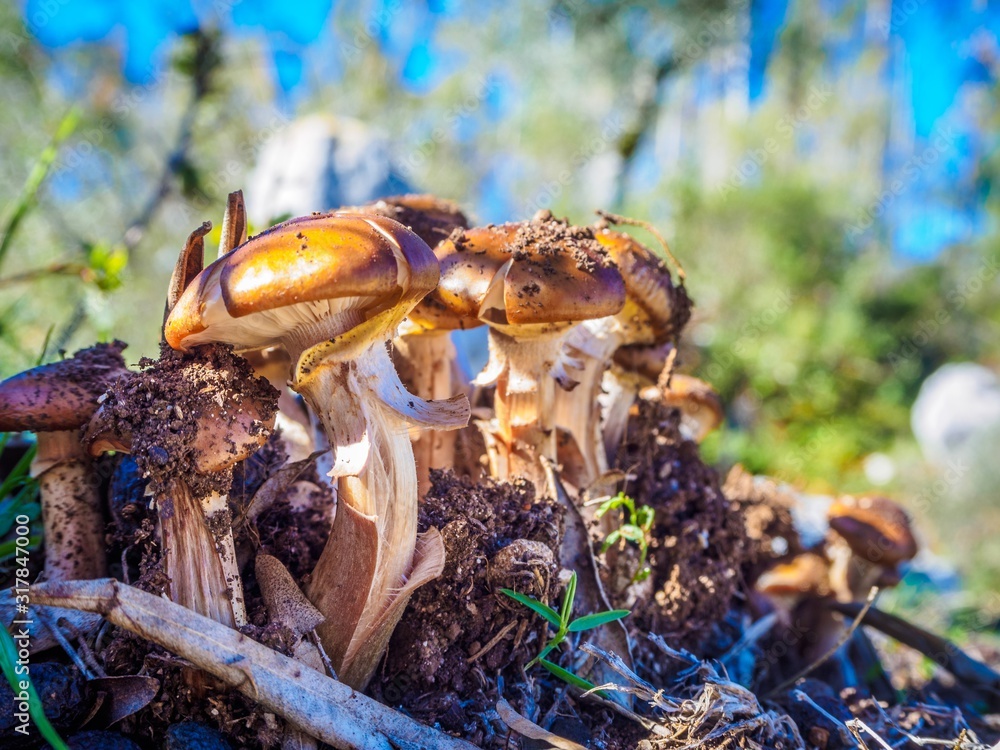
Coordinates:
[825,172]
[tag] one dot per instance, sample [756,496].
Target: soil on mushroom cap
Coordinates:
[698,541]
[161,406]
[545,236]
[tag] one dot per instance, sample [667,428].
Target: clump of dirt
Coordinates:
[767,514]
[459,632]
[698,541]
[166,412]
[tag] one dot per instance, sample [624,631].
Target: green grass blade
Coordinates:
[589,622]
[568,677]
[8,662]
[567,605]
[19,473]
[547,612]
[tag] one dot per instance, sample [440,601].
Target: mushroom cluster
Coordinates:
[325,342]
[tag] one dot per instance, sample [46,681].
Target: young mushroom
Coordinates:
[188,419]
[54,401]
[870,537]
[530,283]
[332,289]
[654,312]
[423,350]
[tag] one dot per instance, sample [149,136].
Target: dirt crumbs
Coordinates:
[459,632]
[767,515]
[698,542]
[545,239]
[189,416]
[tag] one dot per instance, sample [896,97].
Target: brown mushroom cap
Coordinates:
[369,263]
[542,272]
[657,309]
[61,395]
[645,361]
[875,527]
[805,574]
[431,218]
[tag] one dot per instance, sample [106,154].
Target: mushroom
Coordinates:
[653,314]
[870,536]
[805,575]
[530,282]
[423,350]
[54,401]
[188,419]
[700,406]
[273,363]
[332,289]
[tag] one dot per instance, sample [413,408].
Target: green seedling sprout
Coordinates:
[636,529]
[564,626]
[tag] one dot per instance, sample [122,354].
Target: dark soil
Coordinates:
[698,540]
[459,633]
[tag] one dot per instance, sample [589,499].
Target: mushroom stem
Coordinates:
[524,403]
[577,411]
[71,508]
[191,557]
[219,519]
[373,560]
[429,359]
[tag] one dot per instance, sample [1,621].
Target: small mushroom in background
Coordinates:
[423,351]
[700,406]
[332,289]
[54,401]
[655,311]
[530,282]
[870,537]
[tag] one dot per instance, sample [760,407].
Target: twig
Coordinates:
[493,641]
[941,651]
[312,702]
[872,595]
[649,227]
[324,657]
[53,269]
[85,653]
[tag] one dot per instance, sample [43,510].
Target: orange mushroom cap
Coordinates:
[259,294]
[658,308]
[431,218]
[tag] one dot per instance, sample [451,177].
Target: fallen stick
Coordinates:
[324,708]
[972,673]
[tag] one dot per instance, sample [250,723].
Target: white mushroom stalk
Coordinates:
[332,290]
[654,312]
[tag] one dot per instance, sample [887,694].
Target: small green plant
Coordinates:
[636,529]
[564,626]
[18,496]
